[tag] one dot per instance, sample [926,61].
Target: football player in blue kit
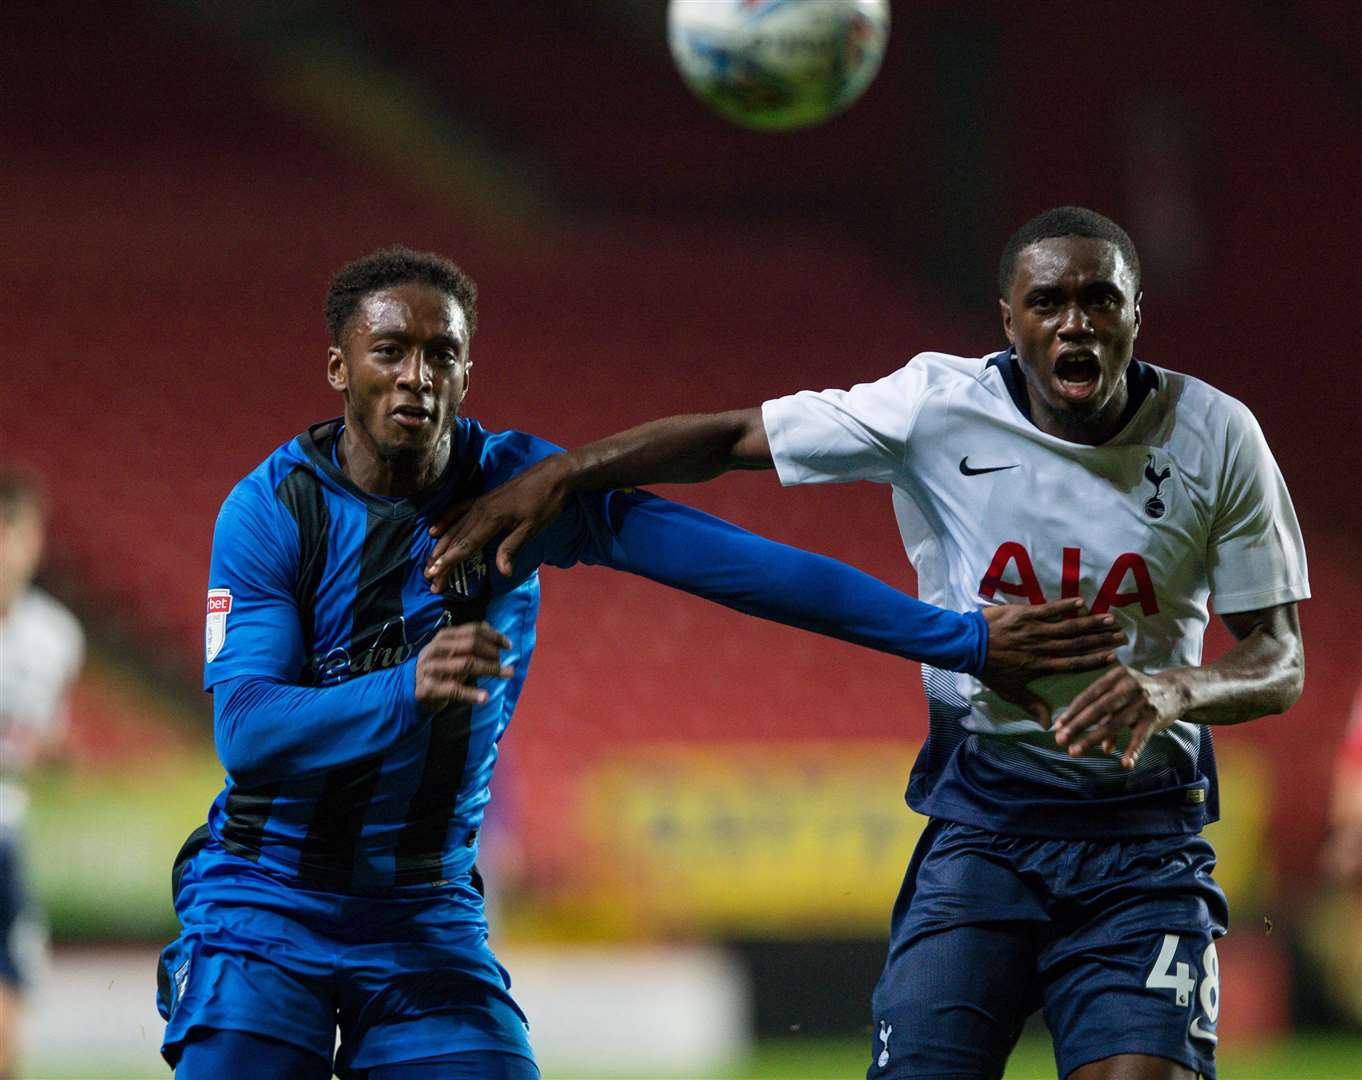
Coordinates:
[357,711]
[1063,867]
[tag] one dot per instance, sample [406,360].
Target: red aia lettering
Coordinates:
[1107,595]
[1012,554]
[1068,582]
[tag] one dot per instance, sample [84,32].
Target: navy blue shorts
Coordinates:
[22,930]
[1114,940]
[402,977]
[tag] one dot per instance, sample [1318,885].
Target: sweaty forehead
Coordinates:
[422,310]
[1072,260]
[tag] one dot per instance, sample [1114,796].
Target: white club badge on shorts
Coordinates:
[215,633]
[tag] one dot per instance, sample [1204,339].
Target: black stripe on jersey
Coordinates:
[192,845]
[248,809]
[327,857]
[383,567]
[301,492]
[420,852]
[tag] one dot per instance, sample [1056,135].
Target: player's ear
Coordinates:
[1138,316]
[336,374]
[1005,309]
[467,367]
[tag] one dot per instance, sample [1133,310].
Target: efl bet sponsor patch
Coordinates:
[215,634]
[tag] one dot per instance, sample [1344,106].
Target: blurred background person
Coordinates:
[1338,936]
[1343,850]
[41,646]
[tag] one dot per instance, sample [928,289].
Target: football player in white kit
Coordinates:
[41,645]
[1062,867]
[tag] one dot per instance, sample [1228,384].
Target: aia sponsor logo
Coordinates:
[215,629]
[1127,582]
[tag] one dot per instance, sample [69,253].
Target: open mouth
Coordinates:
[411,416]
[1078,374]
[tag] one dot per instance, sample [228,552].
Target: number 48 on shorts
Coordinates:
[1177,976]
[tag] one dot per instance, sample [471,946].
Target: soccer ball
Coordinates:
[778,64]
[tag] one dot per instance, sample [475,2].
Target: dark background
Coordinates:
[180,179]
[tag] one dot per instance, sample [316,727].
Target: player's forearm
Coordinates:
[684,548]
[1261,675]
[267,731]
[675,450]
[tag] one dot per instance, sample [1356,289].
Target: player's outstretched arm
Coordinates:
[682,547]
[267,730]
[1262,674]
[674,450]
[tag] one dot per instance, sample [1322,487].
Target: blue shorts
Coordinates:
[403,977]
[22,931]
[1115,940]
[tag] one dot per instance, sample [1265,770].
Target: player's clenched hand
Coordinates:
[456,656]
[522,507]
[1122,698]
[1026,642]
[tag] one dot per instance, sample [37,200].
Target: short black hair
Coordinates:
[20,490]
[1064,221]
[390,266]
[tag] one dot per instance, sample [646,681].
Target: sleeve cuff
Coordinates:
[979,652]
[413,710]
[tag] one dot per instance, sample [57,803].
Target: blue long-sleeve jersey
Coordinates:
[318,608]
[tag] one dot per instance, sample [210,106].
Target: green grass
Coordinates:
[1304,1057]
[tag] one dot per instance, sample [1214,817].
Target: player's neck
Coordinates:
[1091,430]
[10,591]
[390,476]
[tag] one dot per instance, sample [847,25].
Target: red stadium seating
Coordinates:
[180,215]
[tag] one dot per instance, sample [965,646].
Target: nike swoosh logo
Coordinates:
[969,470]
[1198,1032]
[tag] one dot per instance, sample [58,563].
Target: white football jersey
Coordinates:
[41,646]
[1183,506]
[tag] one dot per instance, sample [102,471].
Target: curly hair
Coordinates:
[395,266]
[1064,221]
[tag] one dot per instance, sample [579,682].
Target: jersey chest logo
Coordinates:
[1154,506]
[1127,582]
[466,578]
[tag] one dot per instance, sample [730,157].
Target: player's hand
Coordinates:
[1026,642]
[1121,699]
[522,507]
[456,656]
